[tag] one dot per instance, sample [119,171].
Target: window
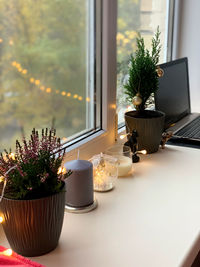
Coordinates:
[134,17]
[58,68]
[49,73]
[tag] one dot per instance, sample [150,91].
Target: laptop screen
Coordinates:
[172,96]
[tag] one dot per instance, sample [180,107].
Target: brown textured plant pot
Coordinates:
[149,125]
[33,227]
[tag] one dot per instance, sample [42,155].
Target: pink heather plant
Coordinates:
[37,167]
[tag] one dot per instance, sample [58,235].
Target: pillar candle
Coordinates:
[79,185]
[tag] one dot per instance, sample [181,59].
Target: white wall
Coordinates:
[187,43]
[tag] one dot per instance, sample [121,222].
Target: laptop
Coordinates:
[173,98]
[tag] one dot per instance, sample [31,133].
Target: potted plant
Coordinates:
[33,195]
[141,84]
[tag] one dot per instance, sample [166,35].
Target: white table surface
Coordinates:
[150,219]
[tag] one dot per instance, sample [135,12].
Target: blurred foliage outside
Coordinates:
[128,28]
[43,67]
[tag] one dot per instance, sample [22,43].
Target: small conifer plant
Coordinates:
[34,170]
[143,73]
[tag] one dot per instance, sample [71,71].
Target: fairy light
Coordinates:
[24,71]
[59,170]
[1,219]
[11,42]
[7,252]
[122,136]
[14,63]
[144,152]
[129,108]
[80,98]
[64,139]
[113,106]
[1,40]
[75,96]
[1,179]
[20,69]
[48,90]
[18,65]
[98,177]
[32,80]
[63,93]
[87,99]
[37,82]
[62,170]
[12,156]
[42,88]
[68,94]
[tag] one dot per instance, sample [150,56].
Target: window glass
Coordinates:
[134,17]
[47,67]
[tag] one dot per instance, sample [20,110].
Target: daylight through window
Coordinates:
[47,68]
[134,17]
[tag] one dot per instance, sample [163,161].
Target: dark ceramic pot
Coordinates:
[149,125]
[33,227]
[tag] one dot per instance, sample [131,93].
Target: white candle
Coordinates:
[124,165]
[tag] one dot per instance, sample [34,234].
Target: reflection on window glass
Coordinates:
[43,66]
[136,17]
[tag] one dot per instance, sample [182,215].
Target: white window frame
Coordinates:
[106,137]
[98,142]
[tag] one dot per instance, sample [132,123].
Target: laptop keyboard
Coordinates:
[191,130]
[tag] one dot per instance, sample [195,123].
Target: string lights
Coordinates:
[48,90]
[37,81]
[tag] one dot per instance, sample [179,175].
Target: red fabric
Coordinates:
[16,260]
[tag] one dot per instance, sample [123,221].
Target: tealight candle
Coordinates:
[124,165]
[123,155]
[79,185]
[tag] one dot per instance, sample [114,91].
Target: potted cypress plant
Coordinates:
[141,84]
[33,195]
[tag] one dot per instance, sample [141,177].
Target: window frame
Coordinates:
[105,137]
[169,44]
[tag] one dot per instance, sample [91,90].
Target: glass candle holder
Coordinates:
[105,172]
[123,155]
